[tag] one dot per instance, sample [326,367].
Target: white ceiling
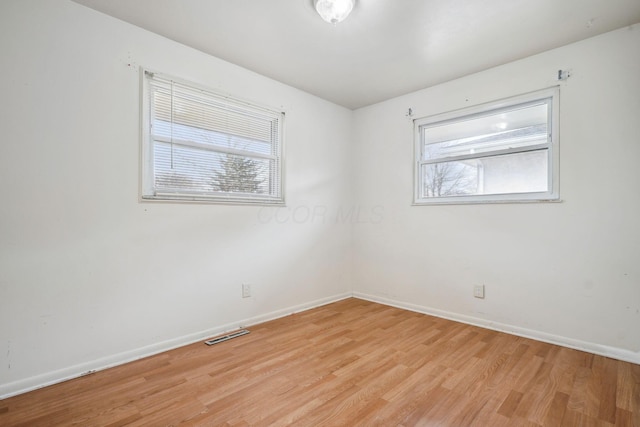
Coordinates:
[384,49]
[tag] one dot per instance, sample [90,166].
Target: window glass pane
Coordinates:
[520,126]
[191,169]
[510,173]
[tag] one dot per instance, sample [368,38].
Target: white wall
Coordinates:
[564,272]
[89,275]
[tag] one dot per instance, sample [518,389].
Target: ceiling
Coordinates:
[384,49]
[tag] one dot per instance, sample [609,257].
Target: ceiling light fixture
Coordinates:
[334,11]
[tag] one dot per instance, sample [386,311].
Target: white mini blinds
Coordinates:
[199,145]
[499,152]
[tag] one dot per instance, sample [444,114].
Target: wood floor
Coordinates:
[351,363]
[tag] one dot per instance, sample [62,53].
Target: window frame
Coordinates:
[552,145]
[148,191]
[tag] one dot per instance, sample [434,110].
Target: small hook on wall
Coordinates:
[409,113]
[564,74]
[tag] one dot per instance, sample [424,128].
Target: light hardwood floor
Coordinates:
[349,363]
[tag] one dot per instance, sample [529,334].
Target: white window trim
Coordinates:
[552,195]
[146,189]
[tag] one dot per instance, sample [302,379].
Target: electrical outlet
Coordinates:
[246,290]
[478,291]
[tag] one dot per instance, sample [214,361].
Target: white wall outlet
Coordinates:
[246,290]
[478,291]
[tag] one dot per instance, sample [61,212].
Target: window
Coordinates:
[198,145]
[499,152]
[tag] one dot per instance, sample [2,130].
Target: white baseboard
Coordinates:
[54,377]
[602,350]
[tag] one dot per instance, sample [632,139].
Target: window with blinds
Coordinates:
[504,151]
[199,145]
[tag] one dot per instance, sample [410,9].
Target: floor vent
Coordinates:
[227,337]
